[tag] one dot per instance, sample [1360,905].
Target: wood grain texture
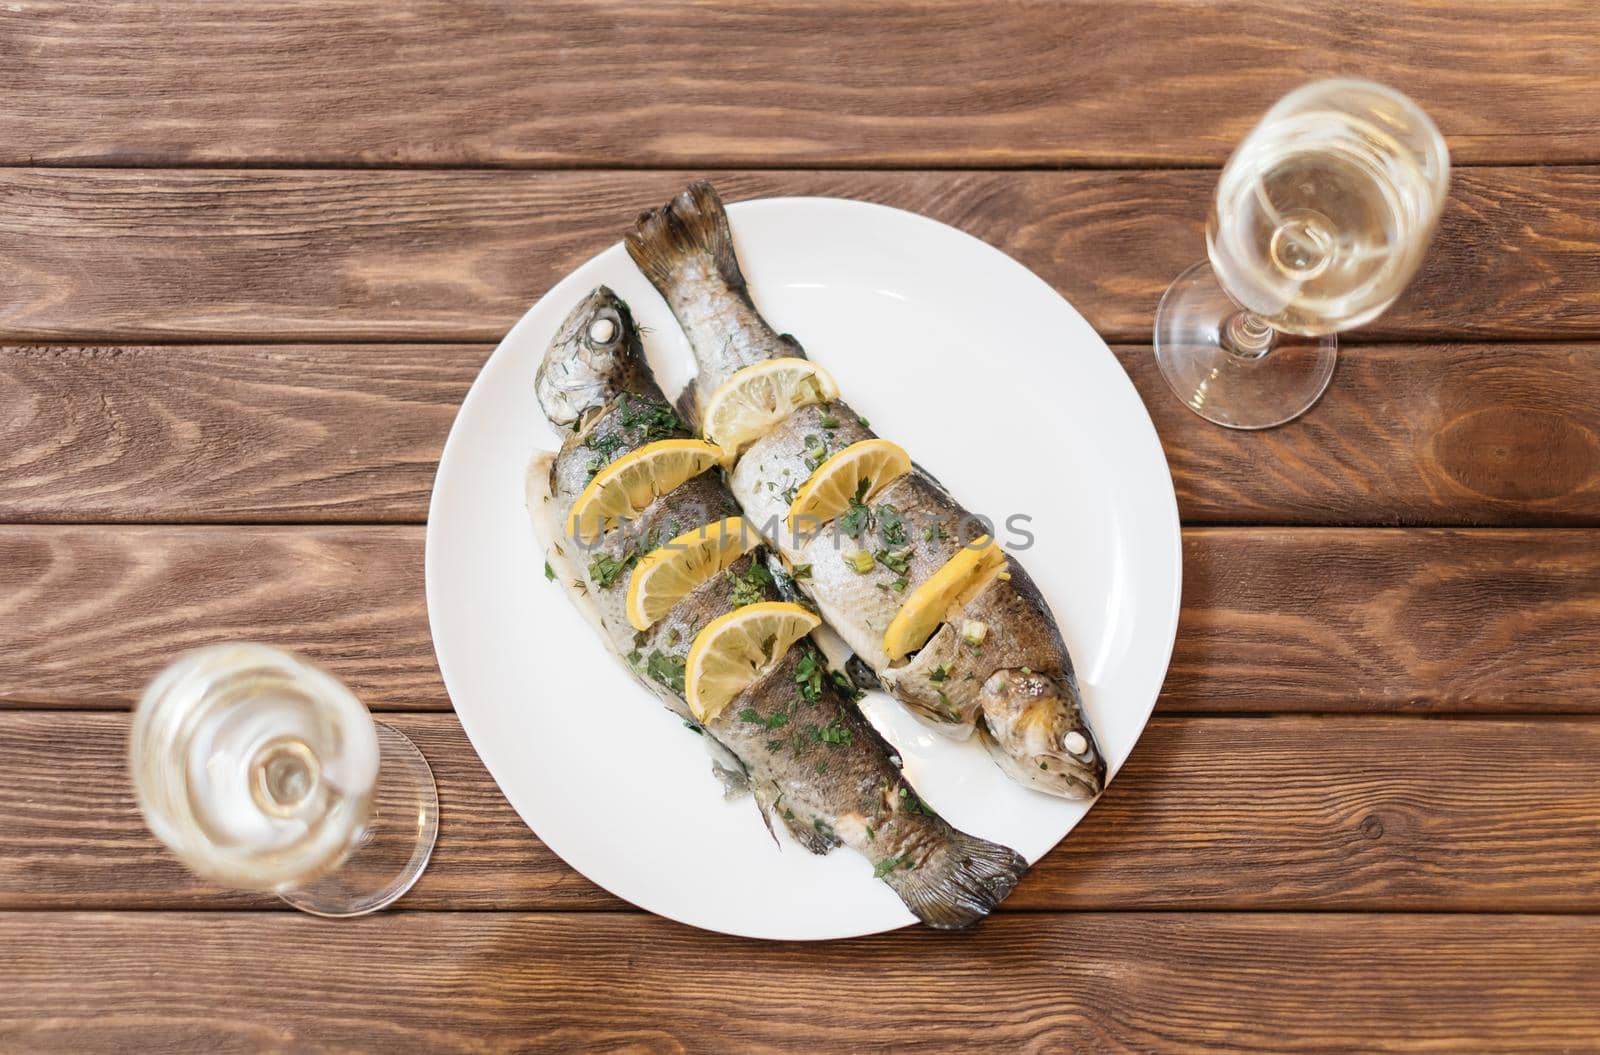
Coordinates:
[1214,813]
[477,982]
[1407,434]
[205,433]
[1274,619]
[903,83]
[135,255]
[1425,620]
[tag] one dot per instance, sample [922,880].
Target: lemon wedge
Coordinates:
[669,572]
[952,585]
[828,491]
[756,398]
[735,649]
[624,488]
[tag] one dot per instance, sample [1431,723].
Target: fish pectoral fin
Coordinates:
[808,836]
[767,796]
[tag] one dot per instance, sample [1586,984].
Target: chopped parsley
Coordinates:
[845,685]
[816,451]
[665,670]
[940,673]
[658,420]
[808,675]
[857,518]
[832,733]
[752,585]
[605,570]
[883,868]
[775,721]
[549,572]
[897,561]
[891,525]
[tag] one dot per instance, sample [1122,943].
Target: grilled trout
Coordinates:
[811,759]
[997,665]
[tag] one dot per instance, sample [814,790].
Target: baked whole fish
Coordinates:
[812,761]
[998,664]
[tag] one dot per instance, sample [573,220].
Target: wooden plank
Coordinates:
[1274,619]
[1410,620]
[497,982]
[1411,434]
[136,255]
[205,433]
[1210,813]
[904,82]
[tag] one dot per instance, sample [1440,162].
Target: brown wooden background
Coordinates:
[252,255]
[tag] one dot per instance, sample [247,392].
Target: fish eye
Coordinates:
[603,330]
[1075,743]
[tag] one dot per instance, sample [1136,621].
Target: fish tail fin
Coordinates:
[960,882]
[692,227]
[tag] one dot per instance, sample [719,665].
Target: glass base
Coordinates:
[1227,366]
[395,844]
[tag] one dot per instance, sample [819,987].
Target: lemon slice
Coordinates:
[625,487]
[666,574]
[756,398]
[828,491]
[951,585]
[735,649]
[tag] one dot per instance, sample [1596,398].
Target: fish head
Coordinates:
[1034,726]
[590,360]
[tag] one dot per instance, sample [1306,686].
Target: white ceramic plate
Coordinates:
[952,349]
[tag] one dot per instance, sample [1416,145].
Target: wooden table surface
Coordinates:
[252,254]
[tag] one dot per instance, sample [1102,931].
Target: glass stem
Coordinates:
[1247,335]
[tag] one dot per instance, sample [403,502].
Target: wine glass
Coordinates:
[264,772]
[1321,219]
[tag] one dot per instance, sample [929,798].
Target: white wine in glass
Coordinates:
[1321,218]
[264,772]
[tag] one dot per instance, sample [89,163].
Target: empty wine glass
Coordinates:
[1321,218]
[264,772]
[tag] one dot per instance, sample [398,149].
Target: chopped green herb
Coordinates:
[861,561]
[832,733]
[883,868]
[788,814]
[634,658]
[845,685]
[857,518]
[816,451]
[751,586]
[822,765]
[674,636]
[693,728]
[605,570]
[658,420]
[940,673]
[750,715]
[891,525]
[800,572]
[863,422]
[549,572]
[870,833]
[897,561]
[824,829]
[665,670]
[899,585]
[808,675]
[828,421]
